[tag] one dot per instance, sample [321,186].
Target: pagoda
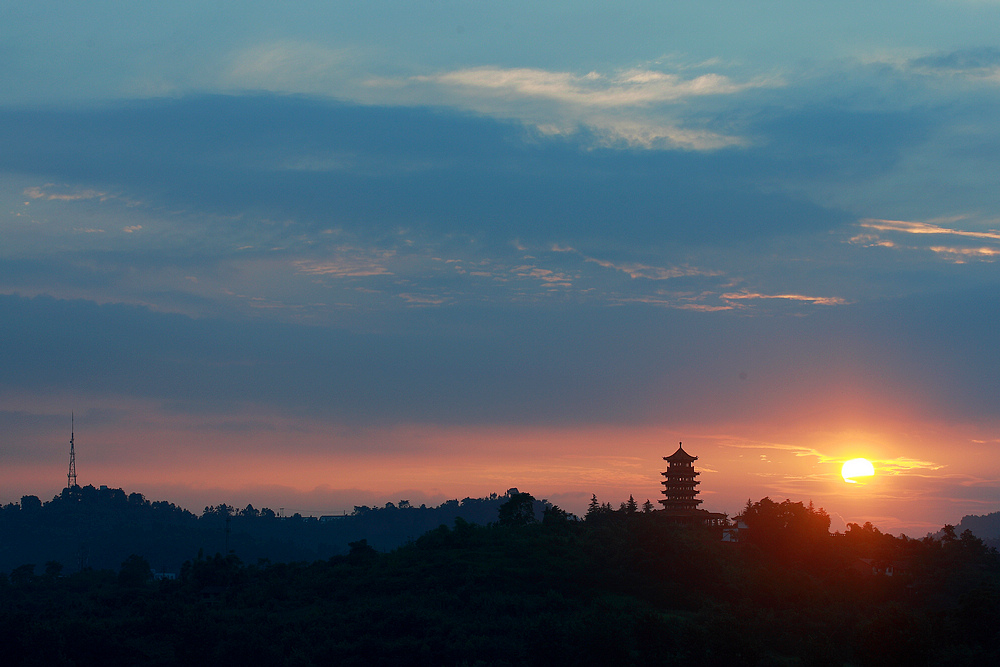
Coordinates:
[680,502]
[679,485]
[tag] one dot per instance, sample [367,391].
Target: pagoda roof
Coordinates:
[680,455]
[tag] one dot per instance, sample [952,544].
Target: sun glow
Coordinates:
[856,468]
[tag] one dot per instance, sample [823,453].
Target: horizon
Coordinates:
[341,254]
[286,501]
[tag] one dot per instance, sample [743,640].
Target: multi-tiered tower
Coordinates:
[679,485]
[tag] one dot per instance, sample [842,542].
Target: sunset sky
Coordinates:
[314,255]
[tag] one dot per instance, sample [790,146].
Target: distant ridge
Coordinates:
[88,527]
[986,527]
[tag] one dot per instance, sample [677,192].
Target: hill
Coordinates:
[99,527]
[620,588]
[986,527]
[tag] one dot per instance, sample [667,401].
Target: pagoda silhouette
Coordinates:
[680,502]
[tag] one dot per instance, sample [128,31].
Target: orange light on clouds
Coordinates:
[269,459]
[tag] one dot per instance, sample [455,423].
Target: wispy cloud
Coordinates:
[637,107]
[627,107]
[903,464]
[964,67]
[981,64]
[51,192]
[346,266]
[924,228]
[959,255]
[794,450]
[74,193]
[952,252]
[672,301]
[818,300]
[552,278]
[633,87]
[422,299]
[637,270]
[894,466]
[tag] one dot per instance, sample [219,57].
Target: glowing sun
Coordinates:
[857,468]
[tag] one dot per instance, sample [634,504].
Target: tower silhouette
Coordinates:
[679,485]
[71,476]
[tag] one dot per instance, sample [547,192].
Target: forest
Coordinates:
[88,527]
[532,585]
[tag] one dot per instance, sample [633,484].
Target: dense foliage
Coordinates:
[99,527]
[623,587]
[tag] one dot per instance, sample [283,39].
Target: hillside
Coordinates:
[620,588]
[98,528]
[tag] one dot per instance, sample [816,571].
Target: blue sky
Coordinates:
[464,241]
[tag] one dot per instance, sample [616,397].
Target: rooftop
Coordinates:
[680,456]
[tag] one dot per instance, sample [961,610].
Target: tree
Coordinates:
[554,515]
[135,571]
[518,511]
[22,574]
[52,570]
[594,507]
[600,511]
[222,510]
[361,552]
[786,530]
[30,503]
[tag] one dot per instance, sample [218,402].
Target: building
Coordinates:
[735,532]
[680,502]
[679,485]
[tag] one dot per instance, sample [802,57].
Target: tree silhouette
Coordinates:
[786,530]
[518,511]
[135,571]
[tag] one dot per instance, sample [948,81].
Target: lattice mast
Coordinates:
[71,476]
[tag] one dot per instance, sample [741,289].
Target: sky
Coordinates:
[315,255]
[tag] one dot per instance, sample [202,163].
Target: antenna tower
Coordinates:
[71,477]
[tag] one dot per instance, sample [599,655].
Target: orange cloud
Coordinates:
[923,228]
[818,300]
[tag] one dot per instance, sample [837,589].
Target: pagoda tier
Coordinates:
[679,485]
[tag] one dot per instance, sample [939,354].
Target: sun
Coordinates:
[857,468]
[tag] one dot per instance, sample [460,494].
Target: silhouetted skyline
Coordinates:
[325,255]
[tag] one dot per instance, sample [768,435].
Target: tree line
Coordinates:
[88,527]
[529,587]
